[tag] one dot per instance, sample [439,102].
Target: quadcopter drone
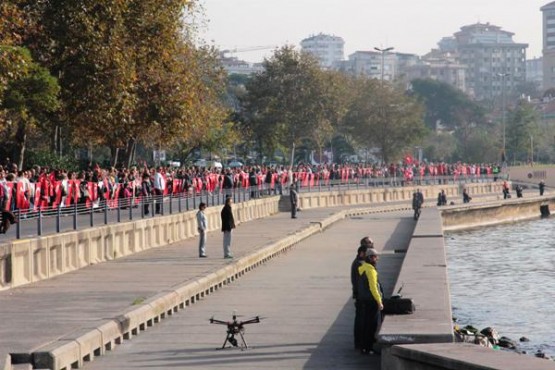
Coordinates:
[236,328]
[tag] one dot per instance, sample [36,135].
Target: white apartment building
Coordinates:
[495,63]
[328,49]
[441,67]
[548,33]
[369,63]
[233,65]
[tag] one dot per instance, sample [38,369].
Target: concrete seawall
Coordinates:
[496,212]
[424,340]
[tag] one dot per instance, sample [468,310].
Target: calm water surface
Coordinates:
[504,277]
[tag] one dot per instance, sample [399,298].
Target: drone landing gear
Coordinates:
[233,341]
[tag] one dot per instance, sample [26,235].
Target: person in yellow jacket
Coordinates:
[370,298]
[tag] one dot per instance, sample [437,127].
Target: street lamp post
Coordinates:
[383,51]
[503,107]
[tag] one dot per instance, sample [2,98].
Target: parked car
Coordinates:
[207,163]
[234,164]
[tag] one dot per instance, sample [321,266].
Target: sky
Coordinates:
[409,26]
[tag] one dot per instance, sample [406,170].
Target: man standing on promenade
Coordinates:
[202,226]
[365,243]
[370,300]
[294,197]
[542,187]
[228,224]
[159,186]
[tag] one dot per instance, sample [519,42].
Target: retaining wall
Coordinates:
[369,195]
[424,340]
[495,212]
[30,260]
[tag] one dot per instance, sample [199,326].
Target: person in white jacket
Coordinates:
[202,225]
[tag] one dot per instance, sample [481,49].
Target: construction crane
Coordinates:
[246,49]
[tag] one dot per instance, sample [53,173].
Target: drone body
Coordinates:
[234,328]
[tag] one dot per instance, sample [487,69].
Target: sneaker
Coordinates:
[203,256]
[230,256]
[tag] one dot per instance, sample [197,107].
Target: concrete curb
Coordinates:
[76,348]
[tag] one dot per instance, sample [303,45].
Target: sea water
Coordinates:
[504,277]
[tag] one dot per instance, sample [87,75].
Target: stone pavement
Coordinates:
[39,313]
[305,296]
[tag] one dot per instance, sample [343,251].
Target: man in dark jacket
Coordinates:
[361,255]
[294,198]
[228,224]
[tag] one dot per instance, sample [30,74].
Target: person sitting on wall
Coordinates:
[518,190]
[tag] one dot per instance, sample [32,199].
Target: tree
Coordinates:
[27,101]
[521,125]
[286,102]
[445,104]
[385,118]
[130,73]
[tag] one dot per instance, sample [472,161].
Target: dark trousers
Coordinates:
[293,210]
[358,320]
[158,199]
[368,323]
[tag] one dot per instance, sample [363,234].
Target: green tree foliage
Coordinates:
[522,123]
[445,104]
[386,118]
[288,101]
[130,71]
[27,102]
[15,60]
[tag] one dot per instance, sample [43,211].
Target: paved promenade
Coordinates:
[46,311]
[305,296]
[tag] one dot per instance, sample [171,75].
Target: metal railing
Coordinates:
[103,212]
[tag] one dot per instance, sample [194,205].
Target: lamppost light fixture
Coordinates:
[383,51]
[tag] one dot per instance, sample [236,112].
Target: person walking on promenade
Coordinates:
[294,198]
[202,226]
[417,201]
[466,197]
[228,224]
[542,187]
[370,299]
[506,191]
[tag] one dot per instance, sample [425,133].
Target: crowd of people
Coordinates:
[43,188]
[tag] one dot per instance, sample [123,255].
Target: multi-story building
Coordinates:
[439,66]
[234,65]
[495,63]
[369,63]
[548,12]
[534,72]
[327,49]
